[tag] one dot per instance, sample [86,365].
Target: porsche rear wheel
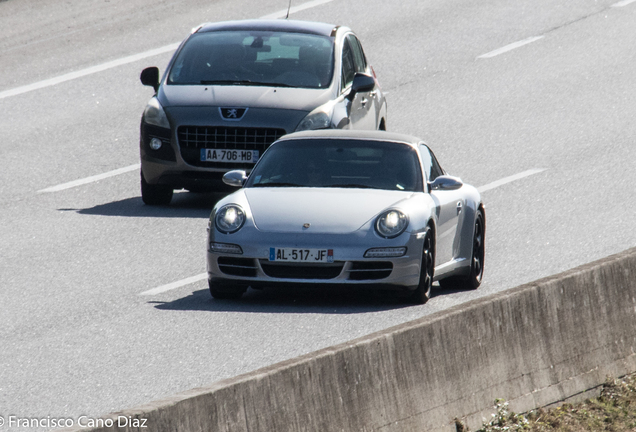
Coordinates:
[422,293]
[479,252]
[473,280]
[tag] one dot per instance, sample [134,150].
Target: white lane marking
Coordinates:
[308,5]
[133,58]
[88,71]
[510,47]
[623,3]
[90,179]
[175,285]
[203,276]
[510,179]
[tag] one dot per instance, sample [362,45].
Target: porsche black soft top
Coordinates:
[292,26]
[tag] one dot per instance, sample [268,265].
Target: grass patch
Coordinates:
[613,411]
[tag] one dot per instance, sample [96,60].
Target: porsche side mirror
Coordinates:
[361,83]
[150,77]
[235,178]
[445,183]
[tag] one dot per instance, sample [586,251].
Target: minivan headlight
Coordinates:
[320,118]
[155,115]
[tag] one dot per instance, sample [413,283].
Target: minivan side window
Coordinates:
[358,54]
[348,65]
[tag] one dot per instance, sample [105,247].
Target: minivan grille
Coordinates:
[194,138]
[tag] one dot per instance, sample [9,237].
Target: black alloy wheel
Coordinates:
[473,280]
[479,252]
[423,291]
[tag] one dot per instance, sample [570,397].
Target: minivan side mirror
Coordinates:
[150,77]
[361,83]
[235,178]
[445,183]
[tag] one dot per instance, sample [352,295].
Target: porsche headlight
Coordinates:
[155,115]
[391,223]
[229,219]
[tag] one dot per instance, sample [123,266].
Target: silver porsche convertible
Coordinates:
[331,207]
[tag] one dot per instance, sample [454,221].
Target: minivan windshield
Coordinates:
[339,163]
[278,59]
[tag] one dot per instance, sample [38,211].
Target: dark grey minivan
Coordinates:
[232,88]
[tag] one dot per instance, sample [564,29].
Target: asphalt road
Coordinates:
[77,337]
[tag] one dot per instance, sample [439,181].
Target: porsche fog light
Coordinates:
[229,219]
[392,252]
[155,143]
[225,248]
[391,223]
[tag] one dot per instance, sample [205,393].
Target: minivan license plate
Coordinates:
[216,155]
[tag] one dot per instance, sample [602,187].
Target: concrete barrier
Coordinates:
[534,345]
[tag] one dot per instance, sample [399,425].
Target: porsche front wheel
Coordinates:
[422,293]
[224,292]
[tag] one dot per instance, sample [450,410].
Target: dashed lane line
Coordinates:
[510,179]
[175,285]
[90,179]
[510,47]
[623,3]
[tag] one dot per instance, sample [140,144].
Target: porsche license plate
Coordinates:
[219,155]
[301,255]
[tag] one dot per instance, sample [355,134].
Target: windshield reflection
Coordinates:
[353,164]
[276,59]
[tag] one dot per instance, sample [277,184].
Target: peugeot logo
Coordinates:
[232,114]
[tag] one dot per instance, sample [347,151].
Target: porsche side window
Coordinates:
[436,170]
[348,66]
[431,167]
[358,54]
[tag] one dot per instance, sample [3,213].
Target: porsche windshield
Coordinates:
[339,164]
[255,58]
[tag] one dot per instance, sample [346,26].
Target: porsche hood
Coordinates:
[327,210]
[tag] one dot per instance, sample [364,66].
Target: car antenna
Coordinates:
[288,8]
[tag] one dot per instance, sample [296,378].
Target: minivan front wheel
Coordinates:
[155,195]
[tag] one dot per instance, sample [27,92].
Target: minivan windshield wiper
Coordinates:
[353,186]
[243,82]
[276,184]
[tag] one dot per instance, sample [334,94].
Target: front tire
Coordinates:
[225,292]
[422,293]
[155,195]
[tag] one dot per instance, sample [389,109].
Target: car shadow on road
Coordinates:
[183,205]
[294,300]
